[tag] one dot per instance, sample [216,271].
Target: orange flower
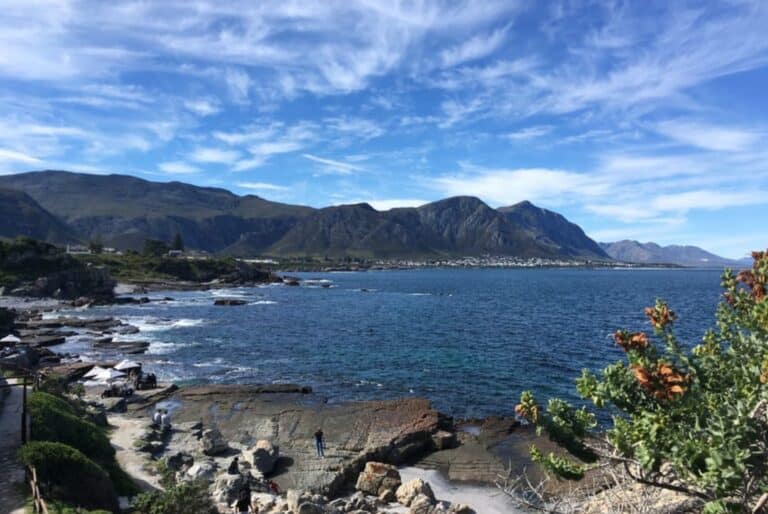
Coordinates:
[662,381]
[636,341]
[660,316]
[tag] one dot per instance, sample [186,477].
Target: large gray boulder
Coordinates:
[377,478]
[422,504]
[213,442]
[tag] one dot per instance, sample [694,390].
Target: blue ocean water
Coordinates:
[469,340]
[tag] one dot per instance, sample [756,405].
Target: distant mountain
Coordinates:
[124,210]
[22,216]
[652,253]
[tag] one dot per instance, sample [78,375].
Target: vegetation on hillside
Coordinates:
[692,421]
[24,259]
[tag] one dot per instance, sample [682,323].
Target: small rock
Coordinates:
[388,496]
[422,504]
[442,440]
[204,470]
[213,442]
[407,492]
[229,301]
[461,508]
[309,508]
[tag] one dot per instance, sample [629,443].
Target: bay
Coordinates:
[469,340]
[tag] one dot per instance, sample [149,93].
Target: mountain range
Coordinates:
[652,253]
[123,211]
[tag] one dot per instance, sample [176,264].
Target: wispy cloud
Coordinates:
[178,168]
[12,155]
[331,166]
[527,133]
[474,48]
[215,155]
[710,137]
[262,186]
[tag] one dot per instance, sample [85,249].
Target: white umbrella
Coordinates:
[127,364]
[108,375]
[10,338]
[94,371]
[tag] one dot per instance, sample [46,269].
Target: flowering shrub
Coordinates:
[693,421]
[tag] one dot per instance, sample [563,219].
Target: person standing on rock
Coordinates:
[243,505]
[319,443]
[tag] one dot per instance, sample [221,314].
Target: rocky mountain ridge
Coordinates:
[123,211]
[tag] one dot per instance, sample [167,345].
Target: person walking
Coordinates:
[156,418]
[320,443]
[165,421]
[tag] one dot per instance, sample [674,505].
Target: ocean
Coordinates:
[470,340]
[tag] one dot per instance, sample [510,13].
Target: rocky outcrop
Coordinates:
[229,301]
[355,433]
[378,479]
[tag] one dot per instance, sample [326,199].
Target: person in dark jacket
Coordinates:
[320,443]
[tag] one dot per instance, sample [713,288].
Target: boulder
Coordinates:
[443,440]
[309,508]
[388,496]
[264,456]
[179,460]
[227,487]
[422,504]
[377,478]
[213,442]
[204,470]
[114,404]
[407,492]
[461,508]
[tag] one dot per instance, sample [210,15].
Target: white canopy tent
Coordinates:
[127,364]
[10,338]
[94,371]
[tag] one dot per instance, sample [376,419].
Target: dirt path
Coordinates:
[12,497]
[126,431]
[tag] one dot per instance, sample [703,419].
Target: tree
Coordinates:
[693,421]
[96,245]
[178,243]
[155,248]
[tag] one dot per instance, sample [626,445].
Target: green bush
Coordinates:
[185,498]
[693,421]
[67,474]
[54,419]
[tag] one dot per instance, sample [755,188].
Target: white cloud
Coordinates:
[332,166]
[12,155]
[708,200]
[215,155]
[393,203]
[239,85]
[529,133]
[203,106]
[504,187]
[262,186]
[476,47]
[710,137]
[178,167]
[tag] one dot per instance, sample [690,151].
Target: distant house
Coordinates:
[78,250]
[175,253]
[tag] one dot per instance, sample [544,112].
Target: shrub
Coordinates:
[694,421]
[69,475]
[185,498]
[54,419]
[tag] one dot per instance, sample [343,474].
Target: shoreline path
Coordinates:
[12,497]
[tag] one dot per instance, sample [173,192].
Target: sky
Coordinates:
[636,120]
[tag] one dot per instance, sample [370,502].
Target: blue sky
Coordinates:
[636,120]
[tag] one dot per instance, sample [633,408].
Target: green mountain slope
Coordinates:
[22,216]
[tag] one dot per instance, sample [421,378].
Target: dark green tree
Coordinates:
[155,248]
[178,242]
